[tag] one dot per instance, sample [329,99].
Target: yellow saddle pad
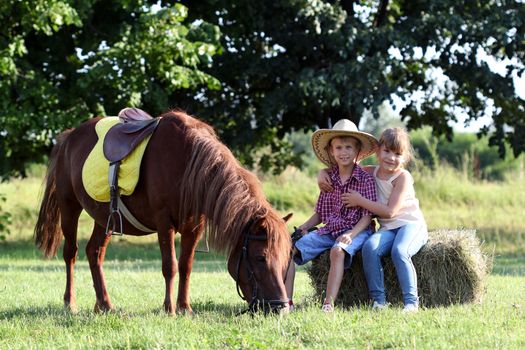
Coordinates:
[95,173]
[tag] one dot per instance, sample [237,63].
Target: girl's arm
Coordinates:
[323,181]
[401,186]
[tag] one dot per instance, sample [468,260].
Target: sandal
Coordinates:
[328,308]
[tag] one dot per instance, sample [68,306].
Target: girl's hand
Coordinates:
[344,238]
[351,198]
[324,182]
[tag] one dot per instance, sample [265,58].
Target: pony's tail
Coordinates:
[48,233]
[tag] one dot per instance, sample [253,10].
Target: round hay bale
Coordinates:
[451,269]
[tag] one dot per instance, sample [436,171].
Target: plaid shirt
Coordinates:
[332,211]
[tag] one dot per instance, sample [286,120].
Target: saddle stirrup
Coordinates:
[113,201]
[117,207]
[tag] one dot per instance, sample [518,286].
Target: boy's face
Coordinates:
[344,150]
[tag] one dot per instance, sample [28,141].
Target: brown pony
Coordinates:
[189,181]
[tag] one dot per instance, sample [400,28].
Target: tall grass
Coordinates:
[452,200]
[449,198]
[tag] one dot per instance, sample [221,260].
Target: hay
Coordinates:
[451,269]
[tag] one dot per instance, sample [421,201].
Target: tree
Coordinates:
[297,64]
[62,63]
[286,65]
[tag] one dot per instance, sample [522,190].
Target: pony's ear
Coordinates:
[287,217]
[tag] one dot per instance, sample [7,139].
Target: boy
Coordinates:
[340,148]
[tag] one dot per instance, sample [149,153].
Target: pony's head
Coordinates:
[259,264]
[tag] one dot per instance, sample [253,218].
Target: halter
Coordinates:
[256,301]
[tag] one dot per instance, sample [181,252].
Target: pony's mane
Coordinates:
[230,197]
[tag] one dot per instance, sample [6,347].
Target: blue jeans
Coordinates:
[401,243]
[312,245]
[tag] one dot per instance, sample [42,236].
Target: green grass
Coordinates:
[31,288]
[32,315]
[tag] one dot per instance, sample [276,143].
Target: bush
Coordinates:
[467,153]
[5,219]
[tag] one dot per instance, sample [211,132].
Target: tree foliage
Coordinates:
[285,65]
[64,61]
[296,64]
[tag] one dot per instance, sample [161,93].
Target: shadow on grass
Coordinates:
[122,254]
[129,253]
[509,265]
[34,312]
[118,249]
[508,248]
[65,318]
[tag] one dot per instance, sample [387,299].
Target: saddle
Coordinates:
[122,138]
[119,142]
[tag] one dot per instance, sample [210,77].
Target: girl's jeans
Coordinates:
[401,243]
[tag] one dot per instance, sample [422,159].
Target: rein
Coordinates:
[255,302]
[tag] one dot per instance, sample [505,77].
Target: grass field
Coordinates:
[31,288]
[32,315]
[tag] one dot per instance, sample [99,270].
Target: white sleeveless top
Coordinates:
[409,212]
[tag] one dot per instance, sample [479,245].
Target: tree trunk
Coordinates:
[380,18]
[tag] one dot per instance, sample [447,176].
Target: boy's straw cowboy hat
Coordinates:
[344,127]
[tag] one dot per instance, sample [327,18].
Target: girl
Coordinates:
[403,230]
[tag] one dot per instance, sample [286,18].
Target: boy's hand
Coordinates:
[298,233]
[344,238]
[351,198]
[323,181]
[303,229]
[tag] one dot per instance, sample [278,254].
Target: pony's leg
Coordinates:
[69,224]
[96,251]
[169,265]
[189,237]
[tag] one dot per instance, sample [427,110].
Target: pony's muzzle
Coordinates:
[270,307]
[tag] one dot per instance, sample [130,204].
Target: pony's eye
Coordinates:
[260,258]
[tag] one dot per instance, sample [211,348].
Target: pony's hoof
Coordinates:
[170,310]
[186,311]
[71,308]
[102,309]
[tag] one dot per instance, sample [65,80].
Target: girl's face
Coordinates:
[344,150]
[389,160]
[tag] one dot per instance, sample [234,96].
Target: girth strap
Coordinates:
[132,219]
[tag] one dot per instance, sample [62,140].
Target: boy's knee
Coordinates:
[337,253]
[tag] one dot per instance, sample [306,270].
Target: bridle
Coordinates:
[256,302]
